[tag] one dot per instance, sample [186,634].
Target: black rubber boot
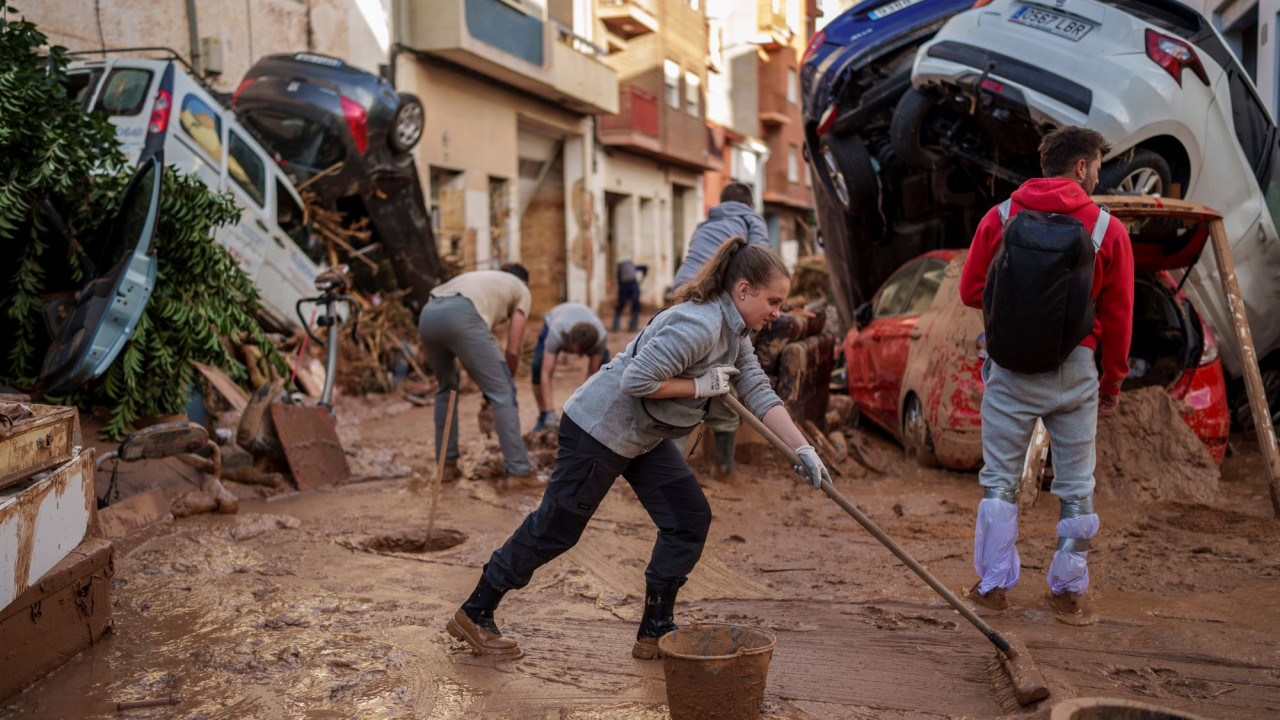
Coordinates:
[658,620]
[474,623]
[725,443]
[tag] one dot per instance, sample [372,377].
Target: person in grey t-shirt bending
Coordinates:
[567,327]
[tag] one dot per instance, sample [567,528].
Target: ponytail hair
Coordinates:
[735,260]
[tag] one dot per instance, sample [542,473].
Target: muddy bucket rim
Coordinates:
[664,643]
[1067,708]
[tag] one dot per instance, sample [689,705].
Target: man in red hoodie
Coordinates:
[1067,399]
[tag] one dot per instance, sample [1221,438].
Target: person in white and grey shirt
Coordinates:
[623,422]
[567,327]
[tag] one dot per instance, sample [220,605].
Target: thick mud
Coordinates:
[324,604]
[1147,452]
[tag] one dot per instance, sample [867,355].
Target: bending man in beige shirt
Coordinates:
[458,322]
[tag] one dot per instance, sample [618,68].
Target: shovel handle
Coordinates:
[872,528]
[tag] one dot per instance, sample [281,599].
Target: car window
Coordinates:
[246,168]
[124,93]
[80,86]
[1270,183]
[1252,125]
[298,140]
[293,220]
[893,295]
[203,125]
[926,287]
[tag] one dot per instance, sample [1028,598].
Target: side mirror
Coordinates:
[862,316]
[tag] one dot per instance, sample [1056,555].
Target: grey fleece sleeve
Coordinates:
[752,384]
[757,230]
[665,353]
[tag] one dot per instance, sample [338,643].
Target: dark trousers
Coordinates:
[628,294]
[585,470]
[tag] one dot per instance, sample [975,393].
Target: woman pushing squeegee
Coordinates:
[623,421]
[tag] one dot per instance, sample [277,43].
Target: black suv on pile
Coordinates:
[314,111]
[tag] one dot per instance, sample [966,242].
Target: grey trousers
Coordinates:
[451,328]
[1066,400]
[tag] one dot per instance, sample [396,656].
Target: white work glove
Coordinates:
[714,381]
[811,469]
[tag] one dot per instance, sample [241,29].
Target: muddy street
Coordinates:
[326,604]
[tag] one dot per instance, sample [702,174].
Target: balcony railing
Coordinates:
[637,110]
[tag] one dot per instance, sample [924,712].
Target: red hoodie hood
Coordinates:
[1055,195]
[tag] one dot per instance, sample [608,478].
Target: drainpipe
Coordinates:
[193,30]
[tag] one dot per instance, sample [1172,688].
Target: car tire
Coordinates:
[907,126]
[916,438]
[1143,173]
[844,166]
[407,124]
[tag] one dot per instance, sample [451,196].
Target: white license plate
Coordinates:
[891,8]
[1052,22]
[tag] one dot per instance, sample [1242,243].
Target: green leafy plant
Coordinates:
[57,161]
[201,296]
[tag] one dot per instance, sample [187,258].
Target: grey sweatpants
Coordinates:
[1066,400]
[450,327]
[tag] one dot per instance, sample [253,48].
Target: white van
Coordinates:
[156,105]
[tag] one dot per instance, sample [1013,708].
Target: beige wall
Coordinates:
[248,29]
[474,127]
[648,223]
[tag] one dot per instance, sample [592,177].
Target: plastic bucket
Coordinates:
[716,671]
[1114,709]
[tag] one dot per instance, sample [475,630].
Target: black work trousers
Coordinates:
[584,472]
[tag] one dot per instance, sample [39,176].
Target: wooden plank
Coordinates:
[225,386]
[1249,359]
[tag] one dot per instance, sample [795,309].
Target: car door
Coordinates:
[892,350]
[90,329]
[296,255]
[126,97]
[869,384]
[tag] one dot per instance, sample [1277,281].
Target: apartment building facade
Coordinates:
[757,99]
[656,148]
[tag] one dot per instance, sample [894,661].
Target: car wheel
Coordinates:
[908,127]
[1144,173]
[916,438]
[846,170]
[407,124]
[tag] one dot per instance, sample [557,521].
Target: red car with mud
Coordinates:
[914,360]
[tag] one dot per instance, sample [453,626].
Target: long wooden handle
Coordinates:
[444,450]
[1248,359]
[872,528]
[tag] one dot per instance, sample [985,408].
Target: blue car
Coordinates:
[876,211]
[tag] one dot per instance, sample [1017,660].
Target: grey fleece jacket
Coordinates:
[683,341]
[723,222]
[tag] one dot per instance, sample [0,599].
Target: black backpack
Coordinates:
[1037,305]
